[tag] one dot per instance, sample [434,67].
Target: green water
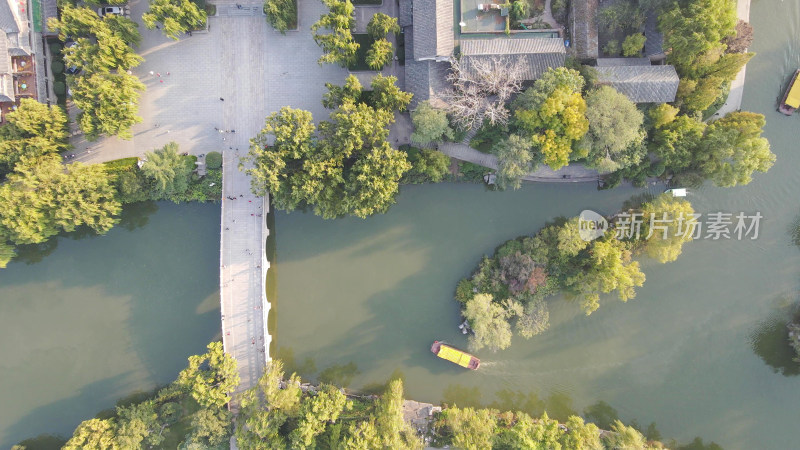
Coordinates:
[689,353]
[99,318]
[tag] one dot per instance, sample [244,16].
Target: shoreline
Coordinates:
[734,101]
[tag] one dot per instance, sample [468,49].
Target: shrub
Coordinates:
[121,165]
[214,160]
[611,48]
[59,88]
[57,67]
[281,14]
[519,10]
[633,45]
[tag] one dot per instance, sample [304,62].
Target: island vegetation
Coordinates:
[515,284]
[284,412]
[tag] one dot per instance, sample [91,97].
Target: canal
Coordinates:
[698,352]
[92,319]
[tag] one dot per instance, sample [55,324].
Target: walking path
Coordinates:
[243,272]
[734,101]
[572,173]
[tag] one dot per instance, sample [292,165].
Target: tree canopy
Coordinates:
[175,16]
[210,377]
[488,322]
[33,130]
[615,130]
[347,168]
[733,149]
[104,91]
[430,124]
[514,160]
[169,171]
[552,115]
[337,45]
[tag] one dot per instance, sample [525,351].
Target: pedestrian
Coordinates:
[160,81]
[158,74]
[216,128]
[167,73]
[152,73]
[234,131]
[156,125]
[158,27]
[221,99]
[223,139]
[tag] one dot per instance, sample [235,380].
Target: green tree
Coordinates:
[362,436]
[265,408]
[615,130]
[210,377]
[661,115]
[387,96]
[108,103]
[430,124]
[732,149]
[555,126]
[672,217]
[471,429]
[527,433]
[210,427]
[169,171]
[324,407]
[633,44]
[608,268]
[676,142]
[93,434]
[580,435]
[337,45]
[391,427]
[692,29]
[379,54]
[514,160]
[139,424]
[40,199]
[175,16]
[34,129]
[623,436]
[337,95]
[520,10]
[489,323]
[552,114]
[280,168]
[281,14]
[381,24]
[426,166]
[7,252]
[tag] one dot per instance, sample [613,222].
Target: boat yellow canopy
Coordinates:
[453,355]
[793,97]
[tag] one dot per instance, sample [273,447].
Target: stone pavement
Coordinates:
[734,101]
[243,268]
[241,59]
[571,173]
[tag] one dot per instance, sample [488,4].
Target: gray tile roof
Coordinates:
[5,57]
[653,45]
[506,46]
[6,88]
[404,16]
[425,79]
[49,9]
[604,62]
[433,28]
[7,21]
[536,54]
[641,84]
[584,29]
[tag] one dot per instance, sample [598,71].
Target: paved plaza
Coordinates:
[241,59]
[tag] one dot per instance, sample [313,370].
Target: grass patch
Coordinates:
[364,43]
[121,165]
[468,171]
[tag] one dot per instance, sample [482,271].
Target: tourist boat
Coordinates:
[454,355]
[791,99]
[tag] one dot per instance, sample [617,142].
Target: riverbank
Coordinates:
[734,101]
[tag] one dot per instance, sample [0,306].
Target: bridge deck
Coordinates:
[243,269]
